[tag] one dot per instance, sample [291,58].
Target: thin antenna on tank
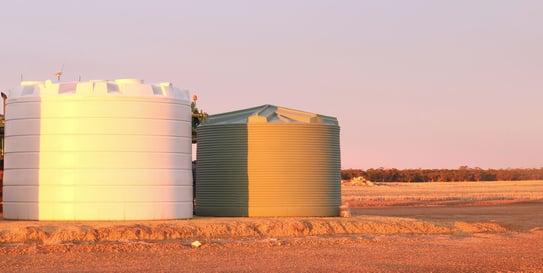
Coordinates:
[4,98]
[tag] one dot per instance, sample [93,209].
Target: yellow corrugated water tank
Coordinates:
[268,161]
[98,150]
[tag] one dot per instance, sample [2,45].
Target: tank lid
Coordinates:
[269,114]
[118,87]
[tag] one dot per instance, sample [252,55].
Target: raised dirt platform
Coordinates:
[445,220]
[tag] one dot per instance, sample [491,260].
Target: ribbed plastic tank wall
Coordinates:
[98,150]
[268,161]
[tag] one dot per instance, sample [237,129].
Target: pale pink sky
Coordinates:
[414,84]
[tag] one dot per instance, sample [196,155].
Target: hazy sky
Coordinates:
[414,84]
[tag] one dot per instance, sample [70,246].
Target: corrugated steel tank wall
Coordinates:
[98,150]
[266,168]
[294,170]
[222,181]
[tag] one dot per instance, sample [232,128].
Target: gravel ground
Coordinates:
[384,253]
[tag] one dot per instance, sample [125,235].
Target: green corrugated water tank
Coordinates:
[268,161]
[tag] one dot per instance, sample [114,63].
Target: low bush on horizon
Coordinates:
[463,173]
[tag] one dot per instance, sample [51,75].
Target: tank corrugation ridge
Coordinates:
[221,187]
[268,169]
[294,169]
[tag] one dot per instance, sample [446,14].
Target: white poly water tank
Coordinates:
[97,150]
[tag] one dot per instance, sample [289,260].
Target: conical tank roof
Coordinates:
[269,114]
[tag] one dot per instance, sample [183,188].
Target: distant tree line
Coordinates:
[463,173]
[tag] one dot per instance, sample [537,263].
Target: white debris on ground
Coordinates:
[344,210]
[196,244]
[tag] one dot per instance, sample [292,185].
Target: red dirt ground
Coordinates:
[483,238]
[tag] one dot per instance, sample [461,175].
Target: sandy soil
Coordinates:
[421,253]
[495,238]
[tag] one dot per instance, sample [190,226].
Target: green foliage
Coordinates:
[197,117]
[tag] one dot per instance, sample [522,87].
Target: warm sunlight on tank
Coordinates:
[98,150]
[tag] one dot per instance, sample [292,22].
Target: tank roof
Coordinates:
[119,87]
[269,114]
